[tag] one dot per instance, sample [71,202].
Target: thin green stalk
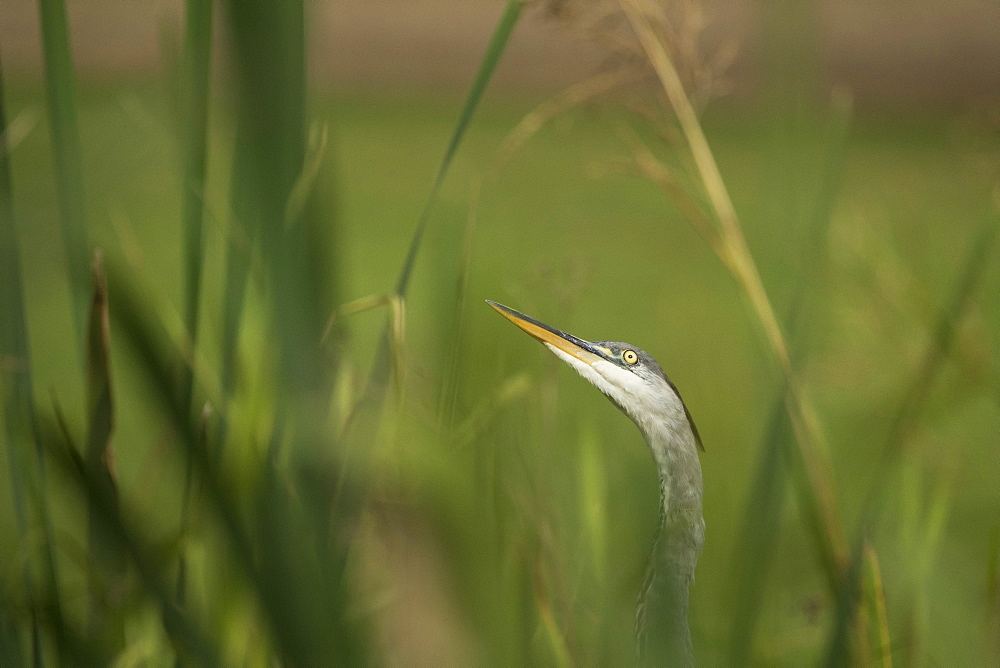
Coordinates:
[362,424]
[364,419]
[197,70]
[301,590]
[243,231]
[68,161]
[449,382]
[758,534]
[27,475]
[906,419]
[838,651]
[378,377]
[17,392]
[879,614]
[937,351]
[495,49]
[763,508]
[269,41]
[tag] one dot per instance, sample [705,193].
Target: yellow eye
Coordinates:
[630,357]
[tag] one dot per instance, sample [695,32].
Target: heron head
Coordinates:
[626,374]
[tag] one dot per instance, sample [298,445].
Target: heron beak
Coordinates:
[585,351]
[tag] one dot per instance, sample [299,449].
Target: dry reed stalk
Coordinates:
[732,249]
[574,96]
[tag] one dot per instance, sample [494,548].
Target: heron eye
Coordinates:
[630,357]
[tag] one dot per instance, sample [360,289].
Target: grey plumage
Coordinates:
[637,385]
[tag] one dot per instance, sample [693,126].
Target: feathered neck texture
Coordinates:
[662,628]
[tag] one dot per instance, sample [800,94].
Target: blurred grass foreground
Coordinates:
[255,411]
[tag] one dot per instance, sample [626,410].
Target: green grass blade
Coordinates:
[292,579]
[761,523]
[759,533]
[269,42]
[838,651]
[378,378]
[906,418]
[243,231]
[27,475]
[495,49]
[108,568]
[449,381]
[197,69]
[937,352]
[189,639]
[15,389]
[302,571]
[156,359]
[878,615]
[68,161]
[366,416]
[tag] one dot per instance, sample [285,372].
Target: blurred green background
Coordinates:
[454,495]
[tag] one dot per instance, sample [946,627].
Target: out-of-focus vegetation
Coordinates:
[271,455]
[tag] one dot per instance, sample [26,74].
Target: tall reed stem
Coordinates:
[735,255]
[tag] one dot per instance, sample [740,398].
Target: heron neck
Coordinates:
[664,636]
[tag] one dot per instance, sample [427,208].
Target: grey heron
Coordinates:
[636,384]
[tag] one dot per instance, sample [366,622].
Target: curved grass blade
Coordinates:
[365,417]
[494,50]
[363,421]
[378,377]
[189,639]
[906,418]
[937,352]
[300,588]
[397,326]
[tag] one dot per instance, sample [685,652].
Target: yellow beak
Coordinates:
[585,351]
